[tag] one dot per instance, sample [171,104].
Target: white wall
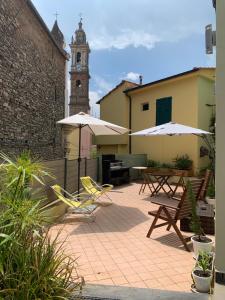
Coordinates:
[220,147]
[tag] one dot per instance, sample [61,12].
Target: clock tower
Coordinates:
[79,74]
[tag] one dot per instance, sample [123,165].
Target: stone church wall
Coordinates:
[32,83]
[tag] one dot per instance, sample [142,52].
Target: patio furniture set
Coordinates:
[162,180]
[172,208]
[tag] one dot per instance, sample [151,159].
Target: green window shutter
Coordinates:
[163,110]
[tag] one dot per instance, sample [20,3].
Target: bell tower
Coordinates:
[79,74]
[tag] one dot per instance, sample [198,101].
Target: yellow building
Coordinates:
[186,98]
[114,108]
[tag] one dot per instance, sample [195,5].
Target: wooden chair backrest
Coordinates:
[208,175]
[184,204]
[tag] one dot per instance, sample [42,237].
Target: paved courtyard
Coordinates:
[114,249]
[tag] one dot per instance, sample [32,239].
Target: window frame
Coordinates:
[143,104]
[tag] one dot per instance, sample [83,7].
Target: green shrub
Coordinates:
[204,262]
[153,164]
[183,162]
[211,190]
[167,166]
[32,266]
[195,224]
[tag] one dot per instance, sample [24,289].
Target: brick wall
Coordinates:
[32,83]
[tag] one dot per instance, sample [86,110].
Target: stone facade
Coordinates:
[32,82]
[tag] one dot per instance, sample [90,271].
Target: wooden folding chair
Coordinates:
[207,178]
[171,211]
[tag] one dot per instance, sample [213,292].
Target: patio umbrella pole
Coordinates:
[79,159]
[65,174]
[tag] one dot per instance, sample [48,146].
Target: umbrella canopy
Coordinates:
[171,129]
[94,125]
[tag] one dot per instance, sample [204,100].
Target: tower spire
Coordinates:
[56,16]
[57,33]
[81,19]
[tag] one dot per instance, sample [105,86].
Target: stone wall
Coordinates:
[32,83]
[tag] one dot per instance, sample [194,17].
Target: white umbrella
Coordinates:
[95,126]
[171,128]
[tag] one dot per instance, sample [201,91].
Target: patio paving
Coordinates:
[114,249]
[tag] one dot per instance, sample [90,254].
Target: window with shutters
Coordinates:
[163,110]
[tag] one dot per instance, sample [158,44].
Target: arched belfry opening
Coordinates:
[78,83]
[78,57]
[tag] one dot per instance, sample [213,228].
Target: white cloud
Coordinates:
[102,85]
[124,39]
[144,23]
[132,76]
[94,97]
[121,24]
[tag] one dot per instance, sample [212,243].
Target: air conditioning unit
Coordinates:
[210,39]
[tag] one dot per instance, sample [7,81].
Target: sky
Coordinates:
[128,37]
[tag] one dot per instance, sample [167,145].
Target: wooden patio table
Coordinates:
[144,182]
[162,180]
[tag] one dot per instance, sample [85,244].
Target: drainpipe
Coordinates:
[130,122]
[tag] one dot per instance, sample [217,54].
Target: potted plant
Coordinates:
[183,162]
[199,240]
[202,273]
[153,163]
[33,263]
[210,194]
[153,166]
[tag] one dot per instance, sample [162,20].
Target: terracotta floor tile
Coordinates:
[179,279]
[165,280]
[110,266]
[119,280]
[132,278]
[115,273]
[146,275]
[102,275]
[152,283]
[114,249]
[84,272]
[90,278]
[106,282]
[128,271]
